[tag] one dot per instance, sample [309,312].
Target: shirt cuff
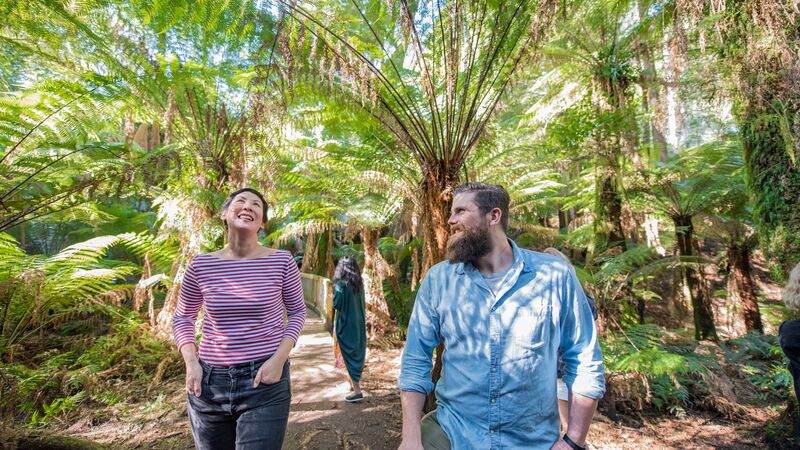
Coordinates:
[182,340]
[423,386]
[593,388]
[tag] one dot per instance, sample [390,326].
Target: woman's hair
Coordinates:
[791,293]
[233,195]
[554,252]
[347,270]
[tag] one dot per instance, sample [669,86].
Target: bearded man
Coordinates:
[503,314]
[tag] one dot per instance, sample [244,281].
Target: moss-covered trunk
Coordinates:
[774,182]
[608,207]
[767,71]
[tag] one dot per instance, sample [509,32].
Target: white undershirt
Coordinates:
[495,280]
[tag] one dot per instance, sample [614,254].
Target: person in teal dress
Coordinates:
[350,326]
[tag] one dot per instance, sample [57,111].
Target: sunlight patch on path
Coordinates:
[315,380]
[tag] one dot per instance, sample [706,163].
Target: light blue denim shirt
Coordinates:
[498,384]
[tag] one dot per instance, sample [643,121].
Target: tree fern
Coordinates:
[44,292]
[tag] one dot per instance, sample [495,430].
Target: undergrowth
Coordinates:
[650,368]
[46,387]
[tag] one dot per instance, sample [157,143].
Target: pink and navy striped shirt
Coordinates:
[244,302]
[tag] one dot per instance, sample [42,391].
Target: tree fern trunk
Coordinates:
[741,287]
[437,187]
[608,207]
[704,327]
[609,102]
[375,269]
[310,254]
[163,322]
[330,266]
[190,246]
[436,373]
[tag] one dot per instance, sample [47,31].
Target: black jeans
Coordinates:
[231,414]
[789,333]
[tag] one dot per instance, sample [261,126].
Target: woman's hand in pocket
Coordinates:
[269,373]
[194,376]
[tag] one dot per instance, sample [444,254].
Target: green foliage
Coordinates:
[707,178]
[758,358]
[661,372]
[774,181]
[400,300]
[61,381]
[57,407]
[611,278]
[399,296]
[651,367]
[120,119]
[78,283]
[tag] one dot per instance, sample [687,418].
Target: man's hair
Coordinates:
[487,197]
[258,194]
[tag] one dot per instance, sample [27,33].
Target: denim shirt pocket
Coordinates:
[526,346]
[527,334]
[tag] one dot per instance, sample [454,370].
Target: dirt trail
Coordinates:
[320,418]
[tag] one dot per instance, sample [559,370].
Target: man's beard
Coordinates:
[469,245]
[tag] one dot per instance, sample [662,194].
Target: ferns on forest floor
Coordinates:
[66,336]
[64,381]
[73,291]
[648,366]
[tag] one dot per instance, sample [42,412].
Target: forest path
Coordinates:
[319,417]
[315,380]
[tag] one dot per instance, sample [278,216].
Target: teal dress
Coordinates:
[350,327]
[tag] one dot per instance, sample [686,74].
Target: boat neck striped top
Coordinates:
[244,302]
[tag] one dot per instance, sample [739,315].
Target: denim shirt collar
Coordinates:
[462,268]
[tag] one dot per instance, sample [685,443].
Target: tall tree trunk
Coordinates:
[437,187]
[774,181]
[652,99]
[608,207]
[163,321]
[310,254]
[375,271]
[140,294]
[189,247]
[741,287]
[766,70]
[330,266]
[563,219]
[437,197]
[610,103]
[704,327]
[415,270]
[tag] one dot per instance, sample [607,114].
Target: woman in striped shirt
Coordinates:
[238,381]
